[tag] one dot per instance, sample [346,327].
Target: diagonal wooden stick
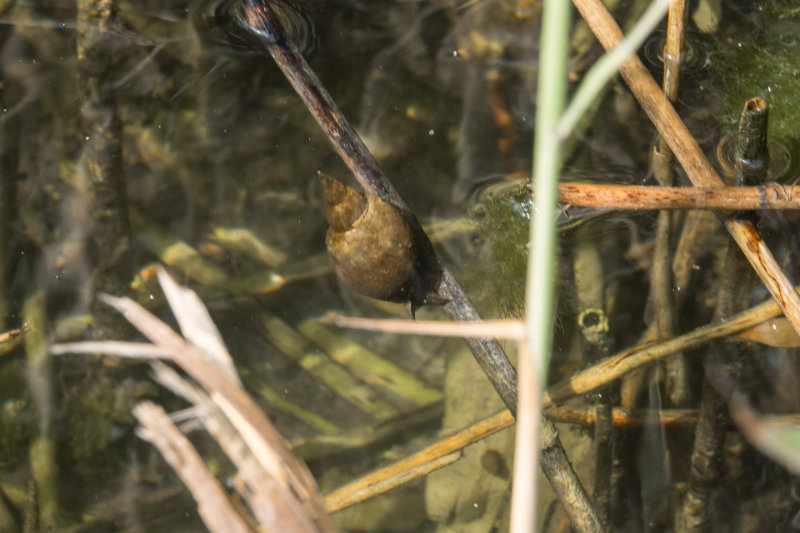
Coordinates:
[688,153]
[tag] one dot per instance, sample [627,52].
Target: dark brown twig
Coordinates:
[736,283]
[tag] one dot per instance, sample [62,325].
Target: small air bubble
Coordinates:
[431,132]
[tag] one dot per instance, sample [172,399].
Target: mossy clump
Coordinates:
[760,56]
[503,217]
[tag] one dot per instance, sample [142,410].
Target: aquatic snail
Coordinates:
[378,248]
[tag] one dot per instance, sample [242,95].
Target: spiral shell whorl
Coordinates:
[370,243]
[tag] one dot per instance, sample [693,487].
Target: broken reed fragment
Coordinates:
[752,155]
[639,197]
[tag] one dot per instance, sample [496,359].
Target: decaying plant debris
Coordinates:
[138,136]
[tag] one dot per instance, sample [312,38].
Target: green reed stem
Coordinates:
[552,90]
[534,351]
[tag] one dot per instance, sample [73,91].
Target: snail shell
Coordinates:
[377,248]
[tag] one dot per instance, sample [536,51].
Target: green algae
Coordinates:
[503,217]
[761,57]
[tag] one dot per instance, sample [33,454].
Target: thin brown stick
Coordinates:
[673,48]
[624,417]
[499,329]
[768,196]
[359,489]
[662,293]
[624,362]
[688,153]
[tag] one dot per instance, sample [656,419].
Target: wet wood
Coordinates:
[638,197]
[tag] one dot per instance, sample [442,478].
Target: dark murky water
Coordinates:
[158,133]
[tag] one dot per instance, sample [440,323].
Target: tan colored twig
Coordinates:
[688,153]
[595,376]
[498,329]
[673,48]
[628,360]
[624,417]
[213,504]
[769,196]
[662,294]
[435,456]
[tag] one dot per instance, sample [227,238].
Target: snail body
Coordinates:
[377,248]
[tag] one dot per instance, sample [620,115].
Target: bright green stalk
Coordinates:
[539,295]
[552,90]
